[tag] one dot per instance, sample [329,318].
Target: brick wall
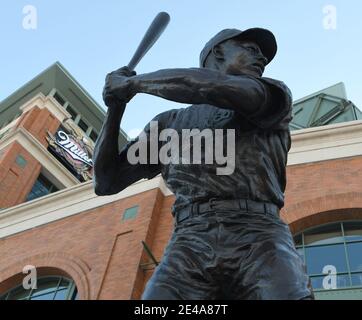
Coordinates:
[38,122]
[16,178]
[18,168]
[98,249]
[322,192]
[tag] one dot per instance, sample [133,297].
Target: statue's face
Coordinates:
[240,57]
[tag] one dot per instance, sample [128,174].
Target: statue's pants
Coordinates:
[229,254]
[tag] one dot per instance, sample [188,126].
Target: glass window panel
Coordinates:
[19,293]
[353,230]
[61,294]
[75,295]
[343,281]
[47,290]
[357,279]
[301,253]
[47,296]
[355,256]
[319,257]
[64,284]
[317,282]
[93,135]
[46,183]
[83,125]
[60,100]
[324,235]
[72,112]
[3,297]
[298,240]
[42,187]
[45,286]
[38,191]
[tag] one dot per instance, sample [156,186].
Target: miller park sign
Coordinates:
[72,150]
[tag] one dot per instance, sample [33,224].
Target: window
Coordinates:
[60,100]
[93,135]
[42,187]
[83,125]
[338,245]
[48,288]
[72,112]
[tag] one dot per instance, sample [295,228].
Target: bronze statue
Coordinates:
[228,241]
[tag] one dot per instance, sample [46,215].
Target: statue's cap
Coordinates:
[263,37]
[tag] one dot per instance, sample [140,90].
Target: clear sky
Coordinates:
[93,37]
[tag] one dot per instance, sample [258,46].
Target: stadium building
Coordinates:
[89,247]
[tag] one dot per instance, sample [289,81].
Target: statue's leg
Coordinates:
[186,267]
[269,266]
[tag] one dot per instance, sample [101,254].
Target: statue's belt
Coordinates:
[247,205]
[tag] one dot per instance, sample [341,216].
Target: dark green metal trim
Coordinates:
[149,253]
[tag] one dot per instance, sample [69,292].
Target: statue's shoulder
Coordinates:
[166,118]
[166,115]
[278,83]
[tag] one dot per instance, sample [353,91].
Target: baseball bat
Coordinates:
[154,31]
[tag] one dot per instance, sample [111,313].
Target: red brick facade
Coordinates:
[322,192]
[16,181]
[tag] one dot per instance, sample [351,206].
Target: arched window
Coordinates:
[48,288]
[333,249]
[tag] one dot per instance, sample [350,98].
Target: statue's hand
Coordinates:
[118,87]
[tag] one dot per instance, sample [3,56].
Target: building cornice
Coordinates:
[66,203]
[323,143]
[41,101]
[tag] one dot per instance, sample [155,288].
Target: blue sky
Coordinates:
[91,38]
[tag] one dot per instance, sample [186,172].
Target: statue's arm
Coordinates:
[244,94]
[112,170]
[264,102]
[107,163]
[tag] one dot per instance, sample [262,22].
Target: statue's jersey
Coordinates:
[262,142]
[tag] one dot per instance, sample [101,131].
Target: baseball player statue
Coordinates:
[228,241]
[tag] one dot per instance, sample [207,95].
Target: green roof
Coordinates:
[58,78]
[324,107]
